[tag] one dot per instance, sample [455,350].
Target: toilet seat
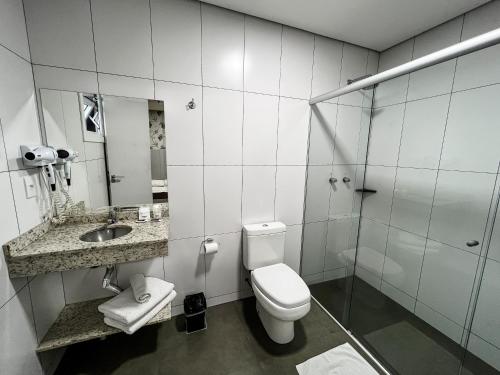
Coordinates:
[279,284]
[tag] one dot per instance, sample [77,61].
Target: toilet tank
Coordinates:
[263,244]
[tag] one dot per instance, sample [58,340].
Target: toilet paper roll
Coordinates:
[211,247]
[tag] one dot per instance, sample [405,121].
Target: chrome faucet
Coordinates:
[113,214]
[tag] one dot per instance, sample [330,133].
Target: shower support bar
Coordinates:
[463,48]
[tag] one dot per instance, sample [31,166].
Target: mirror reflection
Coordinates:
[120,142]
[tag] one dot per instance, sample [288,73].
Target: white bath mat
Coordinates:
[342,360]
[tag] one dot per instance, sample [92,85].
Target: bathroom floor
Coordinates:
[410,345]
[235,343]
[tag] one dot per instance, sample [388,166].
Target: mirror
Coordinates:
[120,142]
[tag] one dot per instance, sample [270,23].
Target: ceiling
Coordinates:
[375,24]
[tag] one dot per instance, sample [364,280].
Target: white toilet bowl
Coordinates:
[282,298]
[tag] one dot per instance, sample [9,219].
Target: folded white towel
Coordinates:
[139,286]
[125,309]
[129,329]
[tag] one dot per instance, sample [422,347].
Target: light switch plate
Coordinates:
[29,186]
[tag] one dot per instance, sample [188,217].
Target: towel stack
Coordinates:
[137,305]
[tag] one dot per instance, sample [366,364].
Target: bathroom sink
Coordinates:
[106,233]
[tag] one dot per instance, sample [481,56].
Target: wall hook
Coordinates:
[191,105]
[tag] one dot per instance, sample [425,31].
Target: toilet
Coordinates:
[282,296]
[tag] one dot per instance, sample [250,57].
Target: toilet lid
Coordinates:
[281,285]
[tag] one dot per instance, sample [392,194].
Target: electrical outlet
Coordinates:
[29,186]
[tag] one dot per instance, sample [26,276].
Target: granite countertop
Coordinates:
[53,246]
[65,238]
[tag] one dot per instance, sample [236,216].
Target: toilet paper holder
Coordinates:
[210,246]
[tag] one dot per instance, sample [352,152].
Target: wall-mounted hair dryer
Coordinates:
[41,156]
[66,156]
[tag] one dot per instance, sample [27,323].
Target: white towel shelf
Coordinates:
[81,321]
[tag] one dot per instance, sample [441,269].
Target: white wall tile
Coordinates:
[60,33]
[47,298]
[4,165]
[317,193]
[431,81]
[176,26]
[423,132]
[385,135]
[391,92]
[85,284]
[404,255]
[18,339]
[186,205]
[413,195]
[479,68]
[18,111]
[364,133]
[65,79]
[471,133]
[222,126]
[322,134]
[354,61]
[258,194]
[260,129]
[439,321]
[98,190]
[185,267]
[79,190]
[447,279]
[372,246]
[184,127]
[397,55]
[347,135]
[486,322]
[290,183]
[371,68]
[293,247]
[494,248]
[313,279]
[222,47]
[460,209]
[436,79]
[94,150]
[398,296]
[30,211]
[222,199]
[13,27]
[122,35]
[149,267]
[327,65]
[293,131]
[335,274]
[338,251]
[342,199]
[8,223]
[223,268]
[110,84]
[313,259]
[378,205]
[484,350]
[296,63]
[262,56]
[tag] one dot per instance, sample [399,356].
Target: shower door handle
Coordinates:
[472,243]
[365,190]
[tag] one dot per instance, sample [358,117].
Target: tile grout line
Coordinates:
[152,46]
[277,127]
[93,44]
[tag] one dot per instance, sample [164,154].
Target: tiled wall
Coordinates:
[433,158]
[22,307]
[337,149]
[239,157]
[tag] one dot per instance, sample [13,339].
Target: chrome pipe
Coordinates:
[463,48]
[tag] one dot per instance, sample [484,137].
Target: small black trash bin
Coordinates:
[195,307]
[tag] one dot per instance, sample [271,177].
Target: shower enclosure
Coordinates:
[401,238]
